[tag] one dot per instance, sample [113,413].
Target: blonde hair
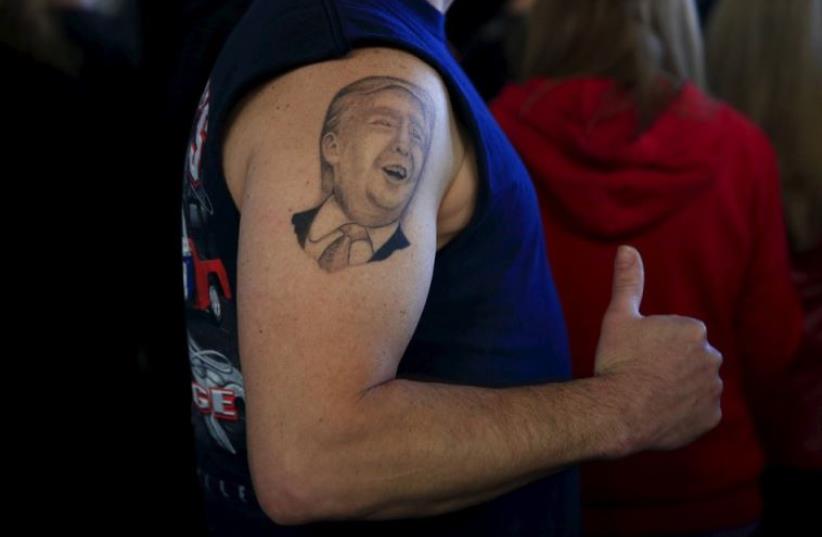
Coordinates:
[630,41]
[765,59]
[676,24]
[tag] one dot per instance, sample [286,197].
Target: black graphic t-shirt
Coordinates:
[492,317]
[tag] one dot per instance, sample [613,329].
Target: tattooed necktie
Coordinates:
[338,254]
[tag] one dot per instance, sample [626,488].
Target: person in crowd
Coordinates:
[765,58]
[624,147]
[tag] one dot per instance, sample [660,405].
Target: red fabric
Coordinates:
[697,194]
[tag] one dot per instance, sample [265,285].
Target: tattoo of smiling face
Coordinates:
[373,148]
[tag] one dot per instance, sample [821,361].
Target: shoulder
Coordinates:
[733,139]
[285,116]
[734,125]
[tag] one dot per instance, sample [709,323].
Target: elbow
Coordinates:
[302,492]
[312,470]
[287,498]
[281,501]
[285,507]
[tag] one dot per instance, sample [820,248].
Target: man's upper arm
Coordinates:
[338,170]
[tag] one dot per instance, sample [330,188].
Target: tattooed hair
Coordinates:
[345,100]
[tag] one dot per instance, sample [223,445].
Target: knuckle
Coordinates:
[711,361]
[717,416]
[718,358]
[713,357]
[689,328]
[719,387]
[697,330]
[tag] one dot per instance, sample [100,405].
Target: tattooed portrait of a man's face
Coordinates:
[373,147]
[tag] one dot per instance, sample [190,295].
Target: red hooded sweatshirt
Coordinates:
[697,194]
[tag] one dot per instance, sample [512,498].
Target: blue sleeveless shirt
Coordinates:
[492,317]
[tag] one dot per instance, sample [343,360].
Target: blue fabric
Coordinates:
[492,309]
[492,317]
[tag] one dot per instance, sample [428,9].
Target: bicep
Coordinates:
[324,315]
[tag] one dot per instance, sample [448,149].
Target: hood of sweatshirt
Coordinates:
[592,165]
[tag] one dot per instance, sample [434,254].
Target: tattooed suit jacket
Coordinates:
[302,224]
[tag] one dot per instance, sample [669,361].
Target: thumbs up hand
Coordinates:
[663,374]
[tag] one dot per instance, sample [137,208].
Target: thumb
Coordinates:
[629,282]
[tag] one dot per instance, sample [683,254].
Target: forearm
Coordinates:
[417,449]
